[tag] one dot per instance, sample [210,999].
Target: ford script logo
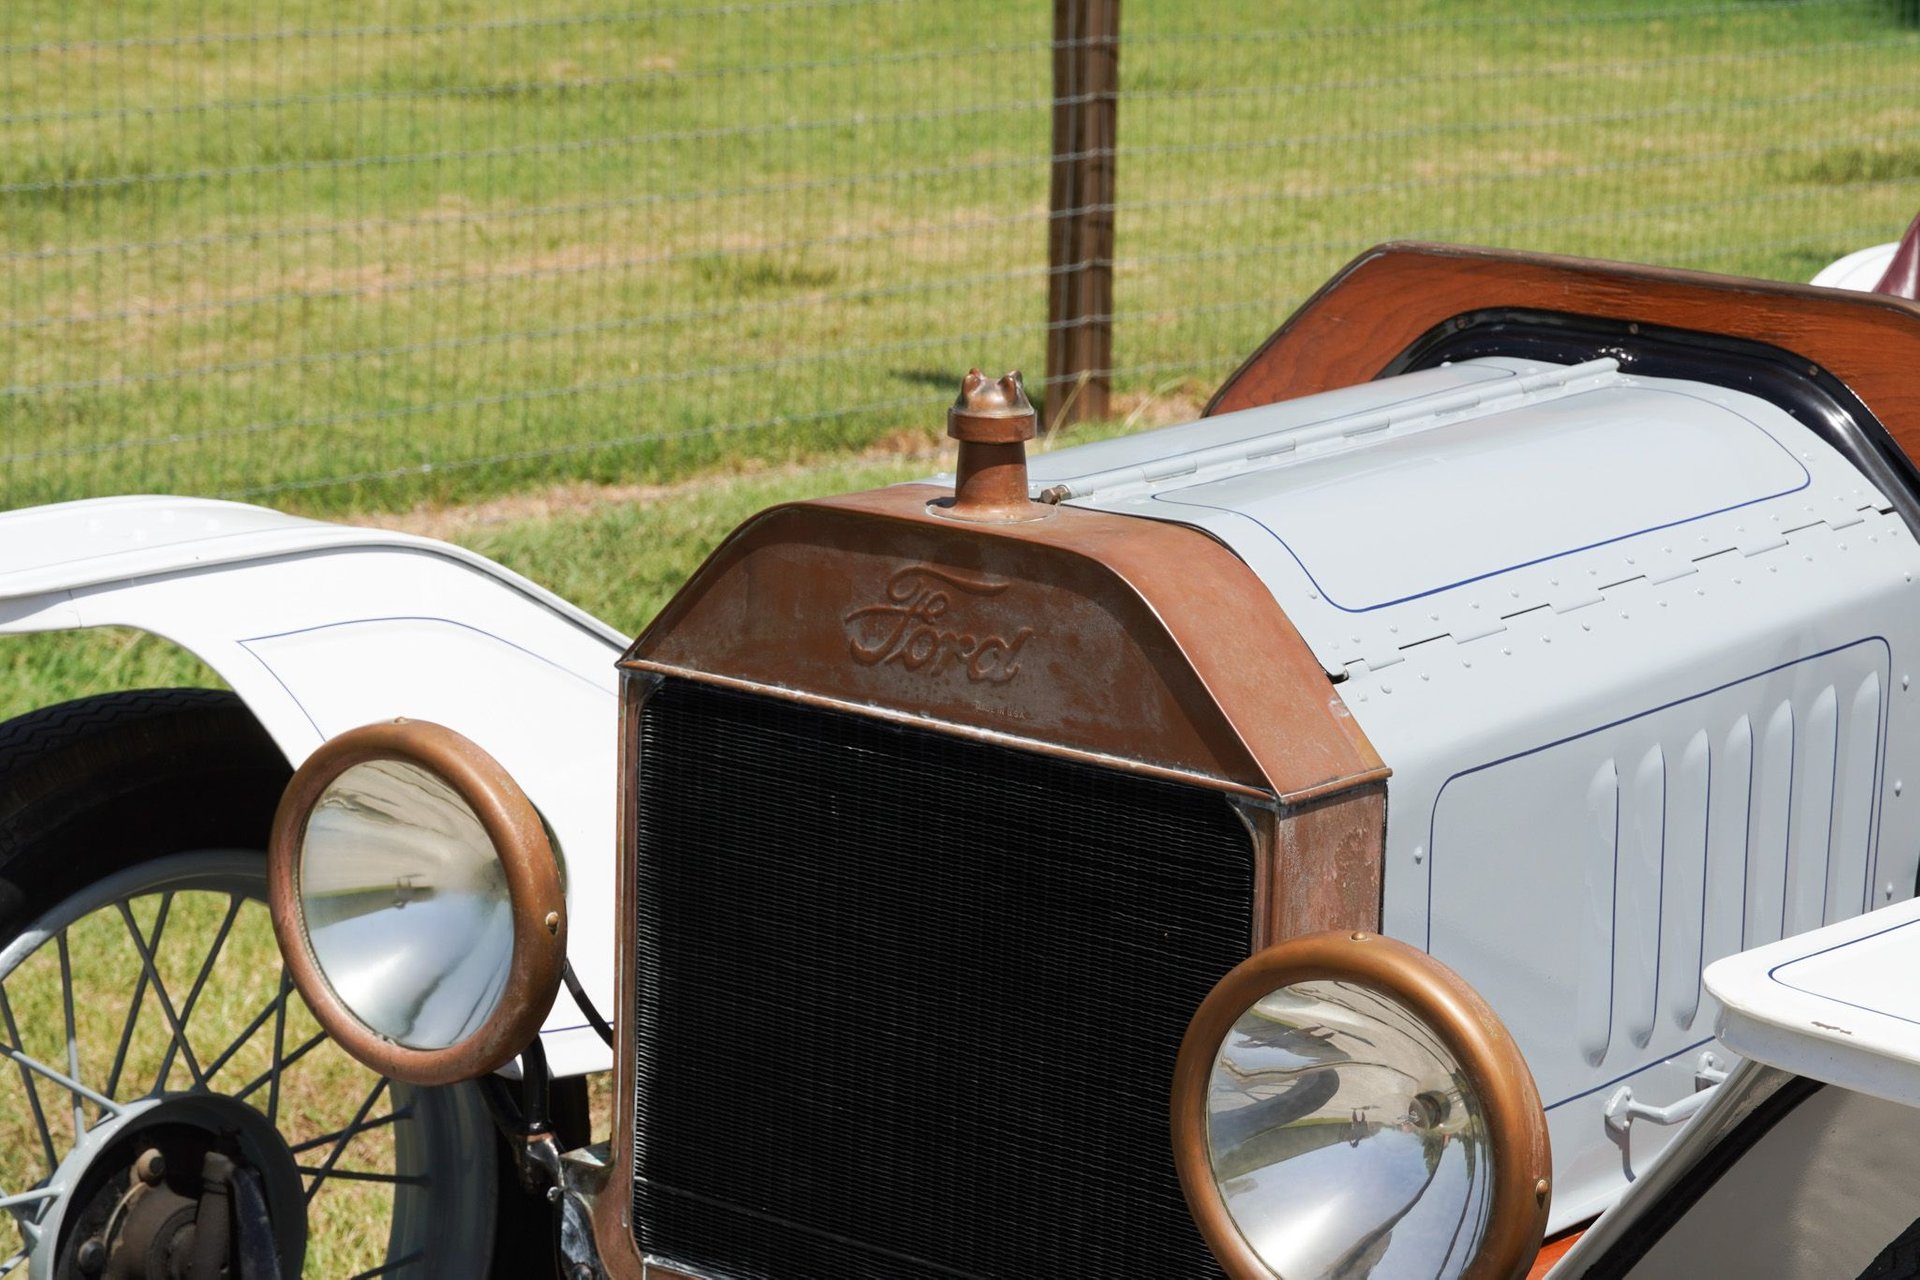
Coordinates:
[922,626]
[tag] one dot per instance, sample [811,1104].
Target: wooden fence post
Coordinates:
[1086,98]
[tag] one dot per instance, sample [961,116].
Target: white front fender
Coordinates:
[323,627]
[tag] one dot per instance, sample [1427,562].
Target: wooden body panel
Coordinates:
[1381,303]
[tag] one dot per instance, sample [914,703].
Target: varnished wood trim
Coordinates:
[1553,1250]
[1381,303]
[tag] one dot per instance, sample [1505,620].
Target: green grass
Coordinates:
[463,253]
[479,243]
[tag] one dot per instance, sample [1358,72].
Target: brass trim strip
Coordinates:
[916,720]
[613,1228]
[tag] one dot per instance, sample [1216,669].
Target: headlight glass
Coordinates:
[406,904]
[1345,1139]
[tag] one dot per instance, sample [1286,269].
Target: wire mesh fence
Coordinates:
[1762,139]
[332,264]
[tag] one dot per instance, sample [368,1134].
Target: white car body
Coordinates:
[1838,1004]
[1637,651]
[1859,270]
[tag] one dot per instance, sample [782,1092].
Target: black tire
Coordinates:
[92,786]
[111,785]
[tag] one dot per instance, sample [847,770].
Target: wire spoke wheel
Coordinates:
[155,998]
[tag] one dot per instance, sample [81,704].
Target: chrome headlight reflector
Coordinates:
[1346,1106]
[418,901]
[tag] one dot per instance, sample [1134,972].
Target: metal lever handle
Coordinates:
[1622,1109]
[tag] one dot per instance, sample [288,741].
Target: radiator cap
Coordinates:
[993,422]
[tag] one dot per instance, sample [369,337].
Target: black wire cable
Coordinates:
[579,994]
[534,1082]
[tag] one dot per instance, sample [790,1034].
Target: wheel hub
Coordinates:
[431,1206]
[149,1183]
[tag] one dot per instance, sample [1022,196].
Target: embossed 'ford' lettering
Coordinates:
[911,627]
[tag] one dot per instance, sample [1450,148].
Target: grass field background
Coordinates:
[583,287]
[352,260]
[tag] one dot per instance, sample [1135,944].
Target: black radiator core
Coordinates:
[907,1005]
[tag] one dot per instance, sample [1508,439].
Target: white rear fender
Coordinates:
[322,627]
[1860,270]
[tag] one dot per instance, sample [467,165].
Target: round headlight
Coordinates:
[1344,1105]
[418,901]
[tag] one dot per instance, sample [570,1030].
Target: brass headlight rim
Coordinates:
[519,837]
[1510,1102]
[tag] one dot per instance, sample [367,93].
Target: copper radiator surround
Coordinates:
[1317,867]
[1081,636]
[1092,635]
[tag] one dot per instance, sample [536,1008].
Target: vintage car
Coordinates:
[1285,844]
